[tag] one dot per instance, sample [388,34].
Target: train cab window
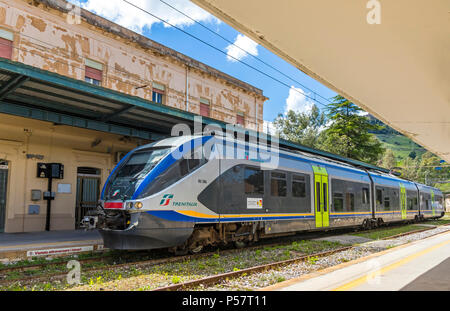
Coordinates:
[177,171]
[365,196]
[298,186]
[350,201]
[338,202]
[254,181]
[278,185]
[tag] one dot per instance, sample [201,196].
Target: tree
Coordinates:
[412,155]
[427,170]
[388,161]
[410,169]
[348,135]
[301,128]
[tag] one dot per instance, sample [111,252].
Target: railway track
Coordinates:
[152,262]
[211,280]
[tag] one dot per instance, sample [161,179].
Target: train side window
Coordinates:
[298,186]
[278,185]
[379,197]
[325,197]
[254,181]
[387,203]
[365,196]
[338,202]
[350,201]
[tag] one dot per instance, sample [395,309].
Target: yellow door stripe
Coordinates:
[397,264]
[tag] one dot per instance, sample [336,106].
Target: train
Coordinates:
[184,194]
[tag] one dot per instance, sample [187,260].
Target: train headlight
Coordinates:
[129,205]
[138,205]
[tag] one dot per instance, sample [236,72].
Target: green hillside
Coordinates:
[401,145]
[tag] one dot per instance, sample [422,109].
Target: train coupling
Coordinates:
[89,223]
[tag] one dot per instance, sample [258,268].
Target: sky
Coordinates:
[281,97]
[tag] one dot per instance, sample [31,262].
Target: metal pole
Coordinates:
[49,203]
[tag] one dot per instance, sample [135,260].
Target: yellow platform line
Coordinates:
[363,279]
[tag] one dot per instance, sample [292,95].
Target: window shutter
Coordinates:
[6,47]
[204,110]
[94,73]
[240,119]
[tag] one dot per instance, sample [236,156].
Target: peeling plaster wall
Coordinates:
[44,39]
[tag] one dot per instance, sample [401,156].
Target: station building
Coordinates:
[82,92]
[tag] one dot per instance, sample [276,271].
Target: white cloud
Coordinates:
[298,102]
[235,52]
[132,18]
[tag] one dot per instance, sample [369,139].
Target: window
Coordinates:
[176,172]
[204,107]
[325,197]
[254,181]
[379,197]
[240,119]
[318,196]
[6,43]
[298,186]
[387,203]
[365,196]
[132,172]
[278,185]
[159,92]
[93,72]
[350,201]
[338,202]
[6,47]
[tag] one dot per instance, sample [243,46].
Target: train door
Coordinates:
[88,193]
[403,205]
[3,192]
[321,196]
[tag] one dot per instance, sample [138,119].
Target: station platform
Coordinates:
[15,246]
[423,265]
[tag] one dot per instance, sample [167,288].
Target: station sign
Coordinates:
[50,170]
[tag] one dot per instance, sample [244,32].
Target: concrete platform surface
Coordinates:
[421,265]
[17,245]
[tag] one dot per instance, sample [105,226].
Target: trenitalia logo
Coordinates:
[166,200]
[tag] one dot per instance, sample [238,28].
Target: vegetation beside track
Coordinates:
[134,277]
[382,233]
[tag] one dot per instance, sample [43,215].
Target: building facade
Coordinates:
[92,50]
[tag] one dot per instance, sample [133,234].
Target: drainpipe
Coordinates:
[187,88]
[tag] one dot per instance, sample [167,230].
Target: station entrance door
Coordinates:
[3,191]
[88,192]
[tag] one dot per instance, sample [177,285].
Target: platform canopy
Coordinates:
[398,70]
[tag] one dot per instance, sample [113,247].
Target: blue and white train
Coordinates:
[169,195]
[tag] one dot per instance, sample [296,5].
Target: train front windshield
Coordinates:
[132,172]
